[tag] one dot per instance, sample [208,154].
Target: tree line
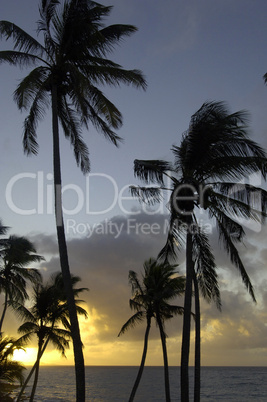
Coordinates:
[210,165]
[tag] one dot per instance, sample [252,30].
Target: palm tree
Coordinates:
[16,254]
[151,299]
[70,65]
[209,176]
[44,319]
[10,370]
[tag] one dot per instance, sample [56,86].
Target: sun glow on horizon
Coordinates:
[26,356]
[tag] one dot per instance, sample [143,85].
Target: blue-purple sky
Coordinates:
[190,51]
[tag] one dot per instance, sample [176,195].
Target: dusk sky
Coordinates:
[190,52]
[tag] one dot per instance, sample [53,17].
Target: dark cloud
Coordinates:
[103,256]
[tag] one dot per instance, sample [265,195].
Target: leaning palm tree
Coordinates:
[10,370]
[208,179]
[45,318]
[16,254]
[151,297]
[69,67]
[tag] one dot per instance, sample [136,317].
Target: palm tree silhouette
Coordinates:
[15,256]
[209,177]
[151,297]
[45,318]
[70,66]
[10,370]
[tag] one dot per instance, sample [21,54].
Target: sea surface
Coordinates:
[114,384]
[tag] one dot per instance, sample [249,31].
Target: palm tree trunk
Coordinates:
[64,262]
[31,372]
[187,319]
[4,311]
[39,355]
[197,342]
[165,359]
[141,368]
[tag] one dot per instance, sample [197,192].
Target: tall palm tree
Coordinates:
[209,178]
[16,254]
[45,318]
[10,370]
[70,65]
[151,297]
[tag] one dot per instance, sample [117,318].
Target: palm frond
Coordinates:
[134,282]
[28,328]
[30,87]
[250,201]
[60,338]
[147,195]
[36,114]
[233,229]
[230,248]
[81,311]
[31,274]
[100,104]
[131,323]
[11,371]
[18,58]
[21,39]
[234,208]
[137,303]
[175,310]
[15,288]
[107,74]
[22,312]
[47,10]
[3,229]
[175,237]
[206,268]
[71,126]
[218,139]
[20,251]
[151,171]
[112,35]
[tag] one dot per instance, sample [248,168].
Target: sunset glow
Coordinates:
[26,357]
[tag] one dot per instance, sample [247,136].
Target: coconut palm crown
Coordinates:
[209,176]
[73,60]
[16,254]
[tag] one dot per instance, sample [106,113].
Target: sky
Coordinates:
[190,52]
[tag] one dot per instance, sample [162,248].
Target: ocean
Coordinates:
[114,384]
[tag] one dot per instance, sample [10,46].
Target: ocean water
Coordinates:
[114,384]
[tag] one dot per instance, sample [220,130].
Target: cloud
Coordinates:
[103,261]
